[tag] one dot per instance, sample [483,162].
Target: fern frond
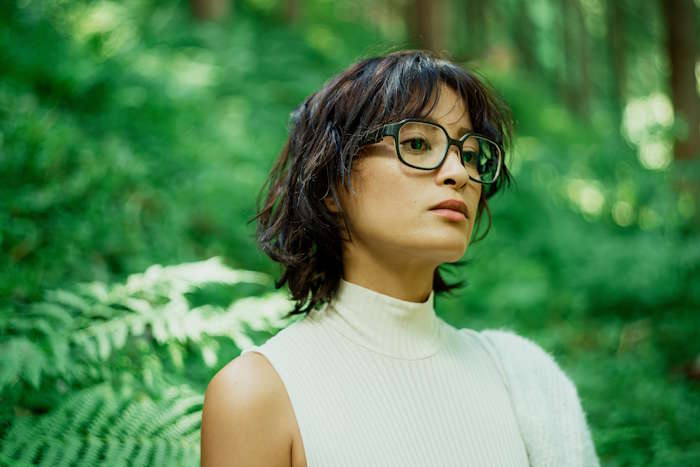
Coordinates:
[101,426]
[74,332]
[22,358]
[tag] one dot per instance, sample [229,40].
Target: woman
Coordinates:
[385,172]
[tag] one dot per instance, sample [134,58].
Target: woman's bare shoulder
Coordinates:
[244,418]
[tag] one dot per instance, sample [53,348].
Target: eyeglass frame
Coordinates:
[392,129]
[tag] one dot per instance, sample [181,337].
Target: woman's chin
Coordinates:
[456,256]
[448,252]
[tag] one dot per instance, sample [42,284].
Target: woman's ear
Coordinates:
[330,204]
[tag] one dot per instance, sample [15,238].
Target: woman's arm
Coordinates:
[242,421]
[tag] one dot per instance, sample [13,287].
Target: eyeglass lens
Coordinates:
[424,145]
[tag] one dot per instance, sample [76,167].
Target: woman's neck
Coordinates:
[397,279]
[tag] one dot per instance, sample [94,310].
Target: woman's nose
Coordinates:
[452,172]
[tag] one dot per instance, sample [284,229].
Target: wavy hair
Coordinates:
[326,134]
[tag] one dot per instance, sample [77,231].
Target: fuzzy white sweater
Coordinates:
[377,381]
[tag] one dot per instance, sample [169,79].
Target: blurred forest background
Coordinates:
[135,135]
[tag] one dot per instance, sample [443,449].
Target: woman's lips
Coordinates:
[450,214]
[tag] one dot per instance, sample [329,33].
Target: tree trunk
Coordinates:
[472,18]
[585,85]
[291,11]
[567,83]
[681,47]
[617,46]
[426,24]
[576,85]
[524,35]
[210,10]
[682,53]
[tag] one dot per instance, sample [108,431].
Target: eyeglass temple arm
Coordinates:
[373,137]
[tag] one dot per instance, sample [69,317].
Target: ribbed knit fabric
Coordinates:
[377,381]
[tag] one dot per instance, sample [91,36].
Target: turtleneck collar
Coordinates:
[385,324]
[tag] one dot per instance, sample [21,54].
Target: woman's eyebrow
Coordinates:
[461,130]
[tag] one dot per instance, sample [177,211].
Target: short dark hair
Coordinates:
[326,131]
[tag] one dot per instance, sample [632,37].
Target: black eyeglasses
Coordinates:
[424,145]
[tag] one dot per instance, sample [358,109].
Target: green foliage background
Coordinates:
[133,137]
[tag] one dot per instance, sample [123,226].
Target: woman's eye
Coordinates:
[469,156]
[417,144]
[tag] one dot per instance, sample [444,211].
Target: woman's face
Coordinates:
[392,214]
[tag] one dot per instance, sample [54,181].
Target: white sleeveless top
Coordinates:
[377,381]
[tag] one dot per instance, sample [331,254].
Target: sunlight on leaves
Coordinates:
[686,204]
[646,123]
[623,213]
[322,38]
[587,195]
[648,219]
[655,155]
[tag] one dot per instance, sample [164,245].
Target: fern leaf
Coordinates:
[71,449]
[21,358]
[163,432]
[52,453]
[142,457]
[10,363]
[68,299]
